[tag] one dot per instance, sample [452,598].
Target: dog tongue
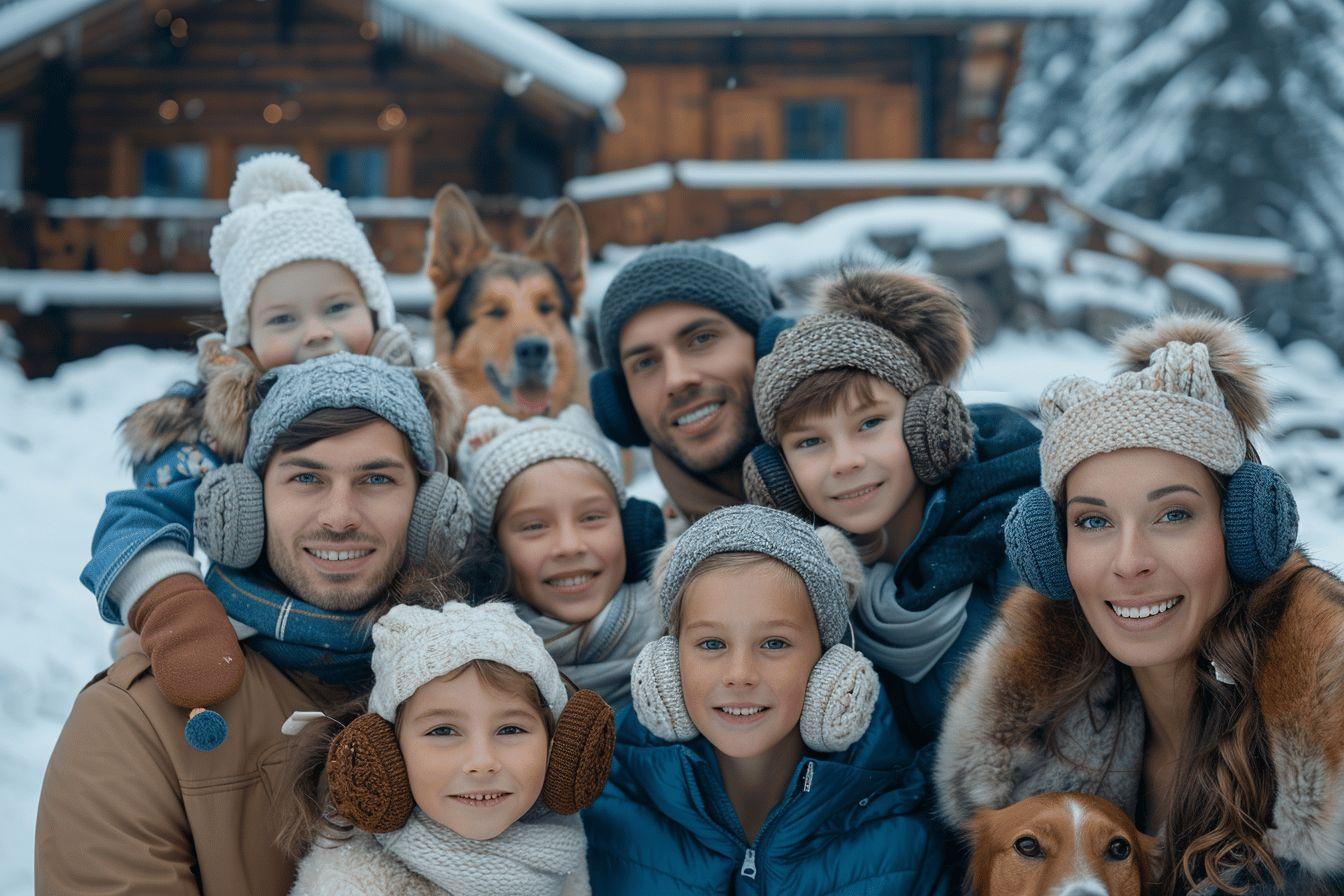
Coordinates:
[531,405]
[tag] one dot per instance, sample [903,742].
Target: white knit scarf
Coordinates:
[598,654]
[908,642]
[538,855]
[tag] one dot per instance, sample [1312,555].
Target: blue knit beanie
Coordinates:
[692,272]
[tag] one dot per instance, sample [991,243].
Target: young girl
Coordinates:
[576,547]
[467,771]
[761,756]
[298,280]
[863,431]
[1174,652]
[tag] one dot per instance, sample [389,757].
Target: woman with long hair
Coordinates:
[1171,649]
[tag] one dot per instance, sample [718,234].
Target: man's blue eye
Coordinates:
[712,644]
[775,644]
[641,364]
[379,479]
[306,478]
[702,338]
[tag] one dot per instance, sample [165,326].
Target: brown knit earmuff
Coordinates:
[937,431]
[366,773]
[585,737]
[367,776]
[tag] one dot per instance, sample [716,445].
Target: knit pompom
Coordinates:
[920,310]
[843,555]
[267,176]
[658,577]
[1231,359]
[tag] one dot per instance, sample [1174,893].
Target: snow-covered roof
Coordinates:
[21,19]
[564,10]
[857,173]
[531,50]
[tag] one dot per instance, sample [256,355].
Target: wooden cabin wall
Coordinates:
[234,63]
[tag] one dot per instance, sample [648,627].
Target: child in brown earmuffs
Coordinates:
[467,771]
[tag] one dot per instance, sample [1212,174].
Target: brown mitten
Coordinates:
[191,644]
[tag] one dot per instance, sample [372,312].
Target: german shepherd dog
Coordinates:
[501,320]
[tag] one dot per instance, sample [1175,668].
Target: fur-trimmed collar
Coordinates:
[991,755]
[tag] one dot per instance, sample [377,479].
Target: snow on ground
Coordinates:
[58,458]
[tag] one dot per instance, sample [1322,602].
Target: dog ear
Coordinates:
[1150,861]
[458,242]
[562,242]
[976,832]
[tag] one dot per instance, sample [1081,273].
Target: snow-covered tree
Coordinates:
[1225,116]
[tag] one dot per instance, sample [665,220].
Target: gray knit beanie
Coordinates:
[341,380]
[693,272]
[903,328]
[823,559]
[495,448]
[1189,386]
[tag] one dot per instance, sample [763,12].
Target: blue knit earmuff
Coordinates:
[644,531]
[1259,532]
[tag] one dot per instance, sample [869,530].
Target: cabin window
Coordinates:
[814,129]
[177,171]
[11,156]
[358,170]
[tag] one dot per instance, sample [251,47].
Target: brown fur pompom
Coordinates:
[925,314]
[447,409]
[1230,356]
[230,398]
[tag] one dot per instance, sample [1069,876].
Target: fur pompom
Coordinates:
[1235,370]
[230,398]
[447,409]
[924,313]
[267,176]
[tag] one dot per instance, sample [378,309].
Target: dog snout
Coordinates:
[532,352]
[1082,888]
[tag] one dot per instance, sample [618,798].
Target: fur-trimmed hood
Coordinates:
[992,755]
[217,409]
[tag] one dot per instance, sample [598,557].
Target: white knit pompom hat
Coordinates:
[414,645]
[278,214]
[495,448]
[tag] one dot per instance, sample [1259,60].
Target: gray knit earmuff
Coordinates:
[842,687]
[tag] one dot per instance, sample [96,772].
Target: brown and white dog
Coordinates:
[502,320]
[1058,844]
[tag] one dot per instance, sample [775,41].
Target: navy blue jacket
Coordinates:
[850,823]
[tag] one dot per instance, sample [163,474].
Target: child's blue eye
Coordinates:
[511,729]
[1175,515]
[441,731]
[280,320]
[339,307]
[809,442]
[871,422]
[1091,522]
[774,644]
[711,644]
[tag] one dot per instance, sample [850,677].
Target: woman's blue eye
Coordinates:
[441,731]
[775,644]
[712,644]
[1091,522]
[1175,515]
[871,422]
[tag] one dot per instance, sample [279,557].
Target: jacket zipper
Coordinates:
[749,858]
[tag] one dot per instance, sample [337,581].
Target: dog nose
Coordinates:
[1083,888]
[531,352]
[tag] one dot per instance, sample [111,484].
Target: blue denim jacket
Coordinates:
[162,505]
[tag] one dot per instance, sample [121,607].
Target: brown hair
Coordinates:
[822,393]
[1223,784]
[312,816]
[732,561]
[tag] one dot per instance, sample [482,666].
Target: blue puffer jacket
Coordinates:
[850,823]
[958,553]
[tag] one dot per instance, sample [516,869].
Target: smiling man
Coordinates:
[678,330]
[335,498]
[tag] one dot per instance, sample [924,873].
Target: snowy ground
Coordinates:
[58,459]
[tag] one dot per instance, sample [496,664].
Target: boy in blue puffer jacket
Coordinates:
[761,756]
[863,431]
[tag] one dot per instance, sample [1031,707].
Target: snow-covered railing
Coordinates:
[857,174]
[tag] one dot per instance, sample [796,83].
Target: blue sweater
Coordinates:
[850,823]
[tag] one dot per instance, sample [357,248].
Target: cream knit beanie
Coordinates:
[414,645]
[1190,388]
[495,448]
[278,214]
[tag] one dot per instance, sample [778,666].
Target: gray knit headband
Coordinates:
[340,381]
[1173,404]
[776,534]
[824,342]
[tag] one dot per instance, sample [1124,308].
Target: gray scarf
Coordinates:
[906,642]
[541,854]
[598,654]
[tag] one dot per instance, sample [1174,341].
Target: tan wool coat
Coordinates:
[128,807]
